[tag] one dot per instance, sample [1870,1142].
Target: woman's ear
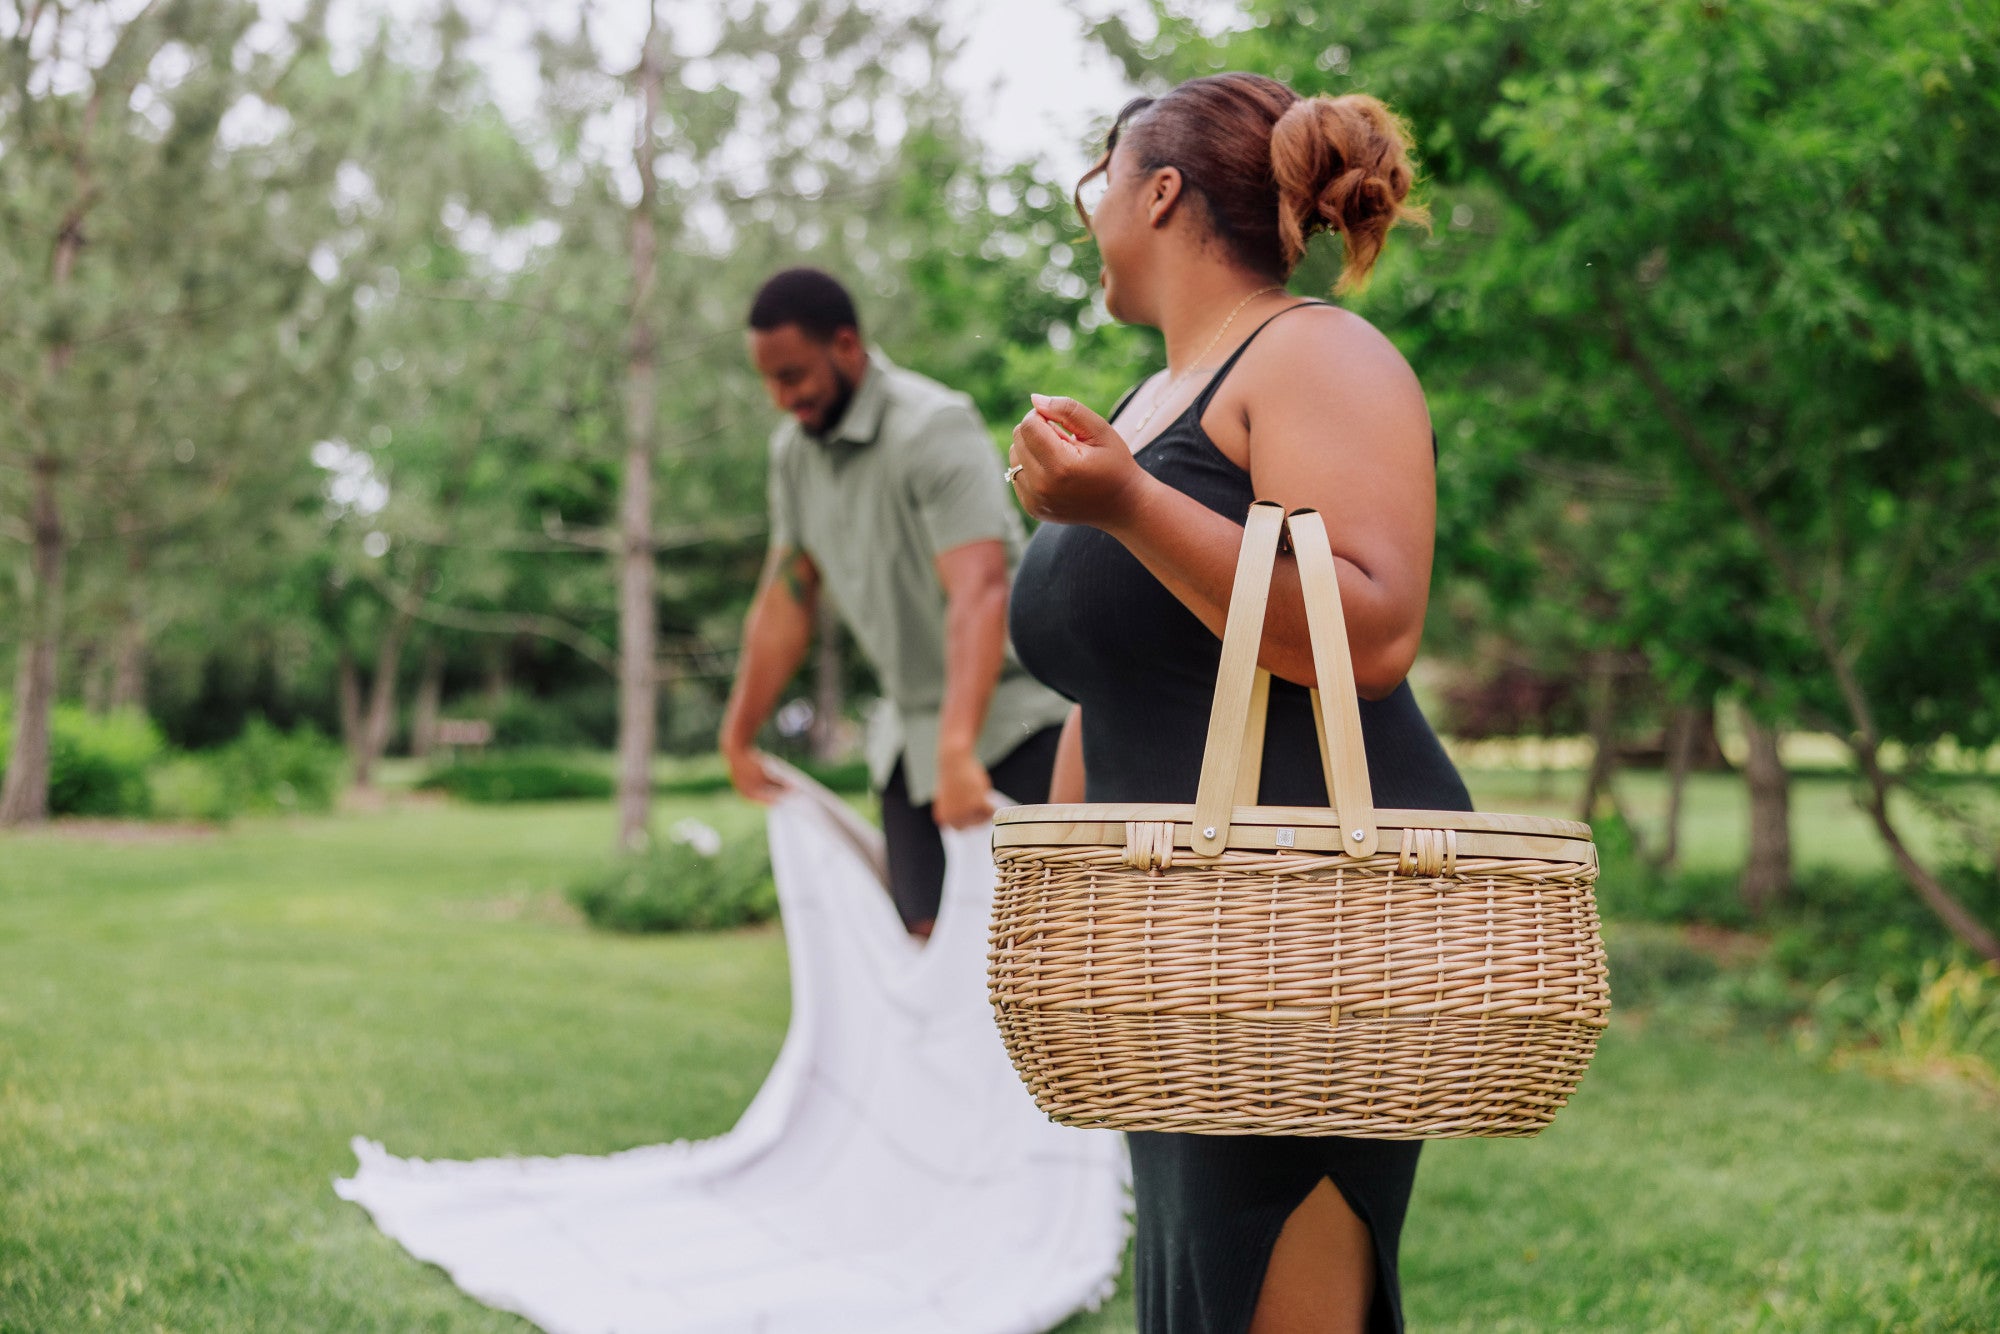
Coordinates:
[1163,191]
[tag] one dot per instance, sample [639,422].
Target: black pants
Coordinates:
[916,852]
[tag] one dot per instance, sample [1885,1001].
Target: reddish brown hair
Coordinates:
[1273,168]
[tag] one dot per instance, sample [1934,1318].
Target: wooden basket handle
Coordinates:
[1241,687]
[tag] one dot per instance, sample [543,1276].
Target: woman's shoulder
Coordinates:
[1314,368]
[1311,334]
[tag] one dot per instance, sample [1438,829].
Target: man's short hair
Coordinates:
[810,298]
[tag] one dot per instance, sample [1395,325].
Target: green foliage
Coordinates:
[584,718]
[1948,1025]
[267,771]
[505,776]
[1630,888]
[97,763]
[849,779]
[189,787]
[1648,963]
[264,771]
[1869,929]
[692,882]
[1710,327]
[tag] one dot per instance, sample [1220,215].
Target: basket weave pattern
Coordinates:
[1228,968]
[1297,994]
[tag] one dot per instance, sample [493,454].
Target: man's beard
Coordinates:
[838,408]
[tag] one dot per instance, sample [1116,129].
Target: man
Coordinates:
[886,494]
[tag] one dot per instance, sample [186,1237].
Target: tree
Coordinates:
[1735,250]
[165,316]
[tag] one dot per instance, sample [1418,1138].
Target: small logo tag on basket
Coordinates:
[1288,838]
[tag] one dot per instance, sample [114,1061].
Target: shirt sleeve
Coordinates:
[783,504]
[954,479]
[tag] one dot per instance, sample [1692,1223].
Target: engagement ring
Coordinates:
[1009,474]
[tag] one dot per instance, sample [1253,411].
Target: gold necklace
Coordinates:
[1166,395]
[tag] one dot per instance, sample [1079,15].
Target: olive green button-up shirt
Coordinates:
[906,474]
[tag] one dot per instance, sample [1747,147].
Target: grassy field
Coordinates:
[191,1028]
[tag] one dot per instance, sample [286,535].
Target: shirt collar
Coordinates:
[862,422]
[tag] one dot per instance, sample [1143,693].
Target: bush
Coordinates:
[188,787]
[691,882]
[97,763]
[1630,889]
[583,719]
[1946,1024]
[1649,962]
[520,776]
[849,779]
[1872,927]
[263,771]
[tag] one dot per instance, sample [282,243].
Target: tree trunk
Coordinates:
[128,660]
[381,719]
[498,682]
[24,795]
[1929,888]
[93,675]
[1681,742]
[128,663]
[1767,871]
[638,697]
[349,681]
[827,675]
[1704,746]
[430,698]
[1603,732]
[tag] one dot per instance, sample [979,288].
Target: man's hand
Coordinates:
[750,776]
[964,794]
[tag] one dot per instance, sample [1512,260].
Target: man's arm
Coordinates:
[975,644]
[777,634]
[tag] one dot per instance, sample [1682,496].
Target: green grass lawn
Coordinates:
[190,1032]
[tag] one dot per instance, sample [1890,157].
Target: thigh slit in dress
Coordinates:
[1092,622]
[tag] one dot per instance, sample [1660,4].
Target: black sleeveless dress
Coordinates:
[1091,622]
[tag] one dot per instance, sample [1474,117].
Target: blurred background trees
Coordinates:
[1712,333]
[344,390]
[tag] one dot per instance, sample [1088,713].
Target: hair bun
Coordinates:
[1342,164]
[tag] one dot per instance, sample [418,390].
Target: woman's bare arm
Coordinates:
[1328,416]
[1066,781]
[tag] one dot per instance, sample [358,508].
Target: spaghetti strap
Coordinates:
[1200,405]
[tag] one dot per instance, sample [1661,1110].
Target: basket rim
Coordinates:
[1291,817]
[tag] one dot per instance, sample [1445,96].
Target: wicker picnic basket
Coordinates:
[1234,969]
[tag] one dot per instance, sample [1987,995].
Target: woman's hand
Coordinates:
[1073,467]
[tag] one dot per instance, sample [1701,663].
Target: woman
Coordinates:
[1210,194]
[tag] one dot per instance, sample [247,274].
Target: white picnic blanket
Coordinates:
[891,1177]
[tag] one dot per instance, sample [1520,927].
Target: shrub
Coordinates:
[581,719]
[520,776]
[849,778]
[1648,962]
[1947,1024]
[693,881]
[1631,889]
[97,763]
[263,771]
[1872,926]
[188,787]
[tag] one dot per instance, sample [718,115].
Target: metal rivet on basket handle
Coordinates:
[1232,723]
